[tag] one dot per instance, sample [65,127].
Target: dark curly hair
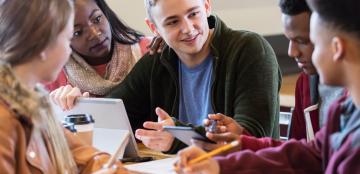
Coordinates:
[293,7]
[343,15]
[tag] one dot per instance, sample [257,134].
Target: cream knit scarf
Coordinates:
[84,76]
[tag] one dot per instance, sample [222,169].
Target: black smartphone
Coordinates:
[137,159]
[185,134]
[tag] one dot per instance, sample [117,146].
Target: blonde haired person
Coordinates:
[34,45]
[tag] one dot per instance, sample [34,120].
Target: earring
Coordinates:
[43,56]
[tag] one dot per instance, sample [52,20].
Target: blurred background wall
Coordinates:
[261,16]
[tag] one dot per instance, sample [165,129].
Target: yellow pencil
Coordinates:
[215,152]
[212,153]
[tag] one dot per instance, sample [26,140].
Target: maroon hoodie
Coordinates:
[336,149]
[306,94]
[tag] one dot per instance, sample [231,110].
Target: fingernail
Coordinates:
[158,109]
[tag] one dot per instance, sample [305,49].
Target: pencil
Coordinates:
[215,152]
[212,153]
[114,157]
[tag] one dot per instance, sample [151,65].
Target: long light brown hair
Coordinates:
[27,27]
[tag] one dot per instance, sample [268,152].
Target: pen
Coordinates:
[212,128]
[212,153]
[137,159]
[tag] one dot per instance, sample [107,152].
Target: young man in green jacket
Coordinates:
[205,68]
[225,71]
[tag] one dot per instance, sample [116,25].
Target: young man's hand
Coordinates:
[208,166]
[156,138]
[65,96]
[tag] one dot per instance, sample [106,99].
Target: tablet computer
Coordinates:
[110,118]
[185,134]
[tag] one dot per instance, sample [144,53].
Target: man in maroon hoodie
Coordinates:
[296,23]
[308,92]
[335,32]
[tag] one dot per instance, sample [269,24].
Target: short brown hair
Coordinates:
[148,5]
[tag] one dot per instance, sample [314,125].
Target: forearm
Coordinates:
[256,105]
[284,158]
[255,144]
[257,109]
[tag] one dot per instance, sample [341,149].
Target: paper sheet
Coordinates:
[109,140]
[164,166]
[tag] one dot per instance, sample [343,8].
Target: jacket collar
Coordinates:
[349,122]
[216,38]
[21,100]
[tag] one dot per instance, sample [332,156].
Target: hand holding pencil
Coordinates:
[195,160]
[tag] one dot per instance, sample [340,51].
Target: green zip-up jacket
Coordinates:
[245,83]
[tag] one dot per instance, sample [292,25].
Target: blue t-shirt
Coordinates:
[195,87]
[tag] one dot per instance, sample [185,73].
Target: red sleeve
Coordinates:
[350,164]
[290,157]
[143,43]
[247,133]
[255,144]
[60,81]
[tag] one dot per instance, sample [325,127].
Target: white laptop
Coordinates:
[111,123]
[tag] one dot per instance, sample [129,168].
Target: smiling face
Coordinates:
[182,24]
[297,30]
[92,33]
[329,69]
